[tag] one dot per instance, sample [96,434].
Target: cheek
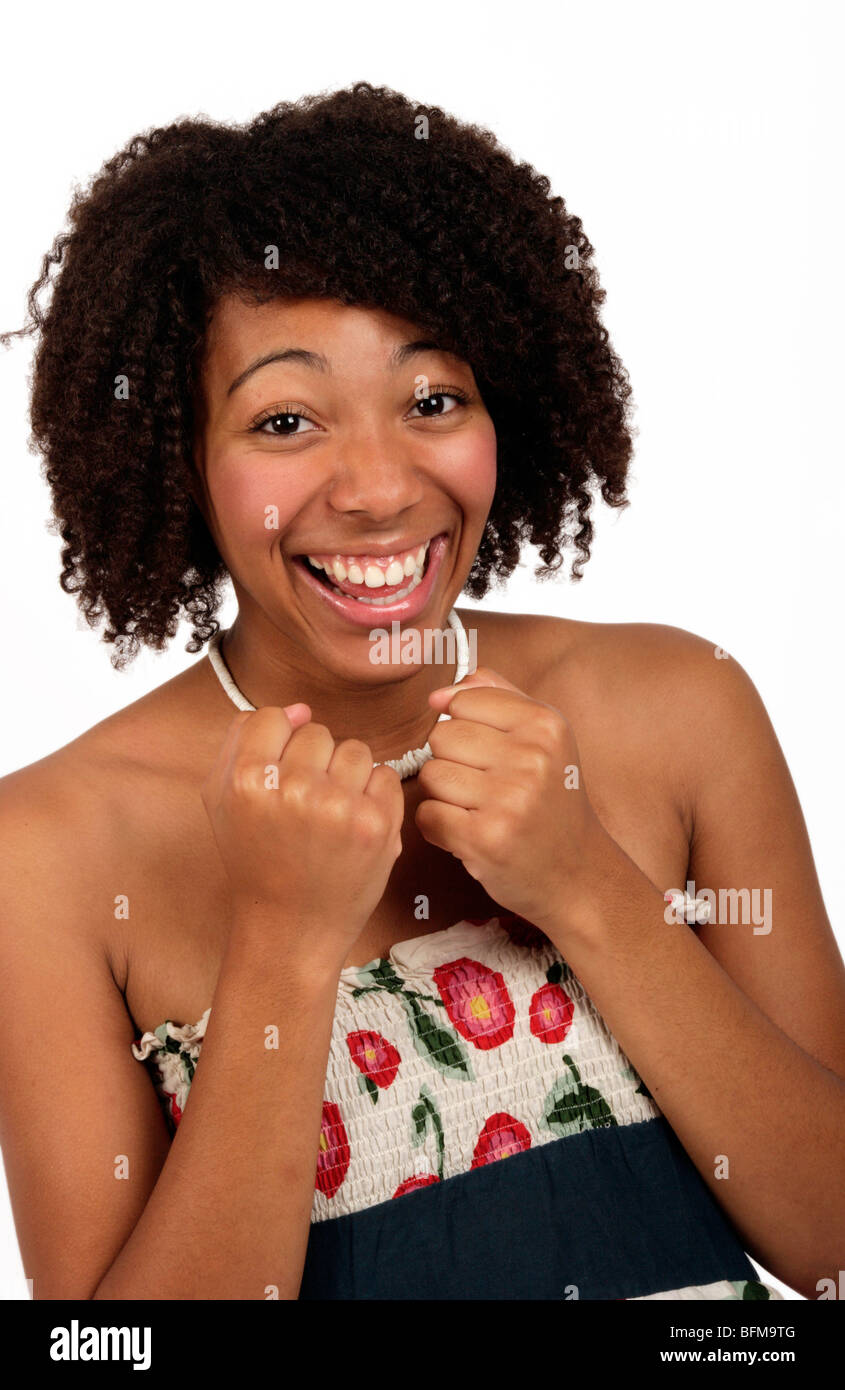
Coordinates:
[254,502]
[471,476]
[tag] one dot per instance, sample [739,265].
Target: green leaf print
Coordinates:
[558,972]
[382,976]
[368,1087]
[438,1045]
[642,1089]
[424,1111]
[754,1289]
[570,1109]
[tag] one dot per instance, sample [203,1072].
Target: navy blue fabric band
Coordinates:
[617,1212]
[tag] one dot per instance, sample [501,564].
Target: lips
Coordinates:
[374,579]
[369,604]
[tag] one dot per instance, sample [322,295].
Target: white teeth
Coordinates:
[356,574]
[374,577]
[385,599]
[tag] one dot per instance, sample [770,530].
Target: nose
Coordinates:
[375,476]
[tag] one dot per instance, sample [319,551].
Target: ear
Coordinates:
[441,699]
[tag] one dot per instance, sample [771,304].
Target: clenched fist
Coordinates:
[303,824]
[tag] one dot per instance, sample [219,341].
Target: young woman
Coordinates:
[426,1032]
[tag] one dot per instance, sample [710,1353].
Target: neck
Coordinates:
[391,717]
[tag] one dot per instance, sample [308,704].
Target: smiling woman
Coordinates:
[339,479]
[404,947]
[441,236]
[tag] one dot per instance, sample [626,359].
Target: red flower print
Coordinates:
[175,1112]
[550,1014]
[477,1002]
[332,1151]
[374,1056]
[523,932]
[419,1180]
[501,1136]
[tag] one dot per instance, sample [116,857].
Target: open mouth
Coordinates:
[377,580]
[354,585]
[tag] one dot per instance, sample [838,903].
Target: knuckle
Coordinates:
[295,788]
[456,735]
[243,779]
[443,773]
[436,740]
[493,832]
[425,816]
[551,727]
[385,785]
[520,797]
[310,734]
[356,750]
[534,760]
[426,775]
[370,826]
[335,807]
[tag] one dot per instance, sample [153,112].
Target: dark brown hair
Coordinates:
[373,201]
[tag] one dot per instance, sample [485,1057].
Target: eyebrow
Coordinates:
[398,358]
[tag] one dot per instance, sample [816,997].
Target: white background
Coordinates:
[701,145]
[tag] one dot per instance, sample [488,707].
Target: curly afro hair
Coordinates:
[372,201]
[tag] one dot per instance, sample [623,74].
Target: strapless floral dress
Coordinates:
[484,1137]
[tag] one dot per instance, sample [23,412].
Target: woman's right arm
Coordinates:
[229,1216]
[105,1207]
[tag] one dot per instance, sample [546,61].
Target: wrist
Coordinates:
[607,890]
[302,945]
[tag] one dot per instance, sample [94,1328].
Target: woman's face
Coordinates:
[317,440]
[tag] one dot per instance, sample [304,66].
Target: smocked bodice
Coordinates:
[465,1063]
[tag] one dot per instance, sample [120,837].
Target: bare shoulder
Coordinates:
[668,668]
[653,691]
[69,798]
[676,691]
[85,785]
[71,821]
[57,829]
[65,1029]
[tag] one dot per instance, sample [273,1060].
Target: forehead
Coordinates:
[351,337]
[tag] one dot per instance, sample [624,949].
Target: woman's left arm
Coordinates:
[738,1034]
[740,1037]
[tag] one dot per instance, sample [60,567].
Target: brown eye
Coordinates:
[432,405]
[282,423]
